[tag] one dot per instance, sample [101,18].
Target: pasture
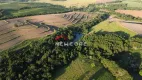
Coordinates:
[83,69]
[133,3]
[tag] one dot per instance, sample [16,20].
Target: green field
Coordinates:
[12,5]
[102,74]
[133,3]
[83,69]
[16,5]
[14,10]
[111,27]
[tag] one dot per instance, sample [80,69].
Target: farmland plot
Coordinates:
[76,17]
[133,26]
[104,1]
[13,31]
[130,25]
[135,13]
[11,35]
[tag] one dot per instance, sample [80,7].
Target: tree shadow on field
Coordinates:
[138,36]
[133,22]
[129,61]
[52,28]
[83,76]
[97,74]
[59,71]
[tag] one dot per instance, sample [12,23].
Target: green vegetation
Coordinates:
[112,52]
[133,3]
[15,0]
[111,7]
[79,68]
[28,9]
[40,59]
[42,56]
[82,69]
[111,26]
[118,72]
[103,74]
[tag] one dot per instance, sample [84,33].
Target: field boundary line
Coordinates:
[125,27]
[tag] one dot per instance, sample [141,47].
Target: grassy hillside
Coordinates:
[14,10]
[111,27]
[133,3]
[83,68]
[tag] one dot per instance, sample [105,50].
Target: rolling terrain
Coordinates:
[71,40]
[14,31]
[77,3]
[114,24]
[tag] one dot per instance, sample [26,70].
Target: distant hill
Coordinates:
[78,3]
[16,0]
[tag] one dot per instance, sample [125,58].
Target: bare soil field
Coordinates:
[130,25]
[11,35]
[14,31]
[136,13]
[104,1]
[133,26]
[59,19]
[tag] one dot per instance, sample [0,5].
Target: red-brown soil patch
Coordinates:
[136,13]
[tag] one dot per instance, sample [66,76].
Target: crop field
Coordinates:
[11,35]
[13,31]
[63,19]
[77,3]
[135,13]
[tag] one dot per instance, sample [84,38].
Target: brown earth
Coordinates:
[11,35]
[130,25]
[133,26]
[136,13]
[104,1]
